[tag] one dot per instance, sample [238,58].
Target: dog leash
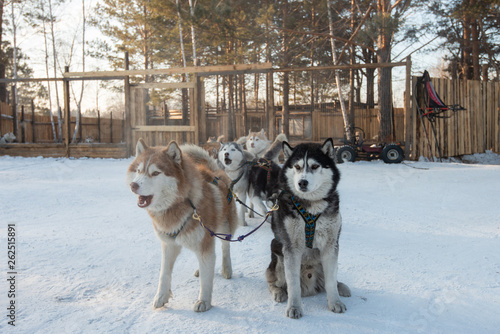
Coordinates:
[228,237]
[262,163]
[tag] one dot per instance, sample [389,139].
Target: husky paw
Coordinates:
[227,274]
[202,306]
[160,300]
[294,312]
[279,295]
[338,307]
[344,290]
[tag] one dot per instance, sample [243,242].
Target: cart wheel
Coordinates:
[392,154]
[346,153]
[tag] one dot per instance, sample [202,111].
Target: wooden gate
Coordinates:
[160,135]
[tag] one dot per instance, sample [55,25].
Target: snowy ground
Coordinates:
[420,250]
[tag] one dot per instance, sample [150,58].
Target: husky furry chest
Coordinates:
[307,227]
[172,183]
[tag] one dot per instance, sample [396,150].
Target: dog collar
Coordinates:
[309,219]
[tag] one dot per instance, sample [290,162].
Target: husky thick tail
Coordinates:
[200,156]
[275,149]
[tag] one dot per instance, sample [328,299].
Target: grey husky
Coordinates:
[252,176]
[307,227]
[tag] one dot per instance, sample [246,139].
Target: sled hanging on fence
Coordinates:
[431,106]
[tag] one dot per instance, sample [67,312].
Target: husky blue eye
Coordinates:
[155,173]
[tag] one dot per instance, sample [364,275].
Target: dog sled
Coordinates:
[431,107]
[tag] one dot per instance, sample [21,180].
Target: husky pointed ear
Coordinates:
[287,150]
[174,152]
[140,147]
[263,132]
[328,149]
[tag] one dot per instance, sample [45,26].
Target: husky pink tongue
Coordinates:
[144,201]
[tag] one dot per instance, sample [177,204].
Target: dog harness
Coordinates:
[266,165]
[309,219]
[174,234]
[229,196]
[261,162]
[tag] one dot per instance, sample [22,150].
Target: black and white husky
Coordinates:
[252,176]
[307,228]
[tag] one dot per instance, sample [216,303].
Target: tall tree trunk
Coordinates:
[311,56]
[352,59]
[14,87]
[193,32]
[285,116]
[475,44]
[466,49]
[3,59]
[185,94]
[54,56]
[370,87]
[230,91]
[77,125]
[347,129]
[385,74]
[47,73]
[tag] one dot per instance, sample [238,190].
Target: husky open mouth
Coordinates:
[144,201]
[227,161]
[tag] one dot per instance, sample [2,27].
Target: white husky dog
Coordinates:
[258,144]
[172,183]
[307,228]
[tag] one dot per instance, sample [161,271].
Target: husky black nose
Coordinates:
[226,154]
[303,184]
[134,187]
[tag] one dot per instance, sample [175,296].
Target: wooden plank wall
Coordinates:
[325,124]
[111,131]
[469,131]
[153,137]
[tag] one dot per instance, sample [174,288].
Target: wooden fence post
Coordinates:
[14,111]
[80,128]
[201,132]
[33,123]
[408,120]
[111,127]
[127,125]
[271,133]
[67,113]
[23,129]
[99,125]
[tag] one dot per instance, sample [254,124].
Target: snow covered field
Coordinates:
[420,250]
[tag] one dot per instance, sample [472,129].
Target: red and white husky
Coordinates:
[171,183]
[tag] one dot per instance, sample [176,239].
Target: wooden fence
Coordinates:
[34,128]
[322,123]
[469,131]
